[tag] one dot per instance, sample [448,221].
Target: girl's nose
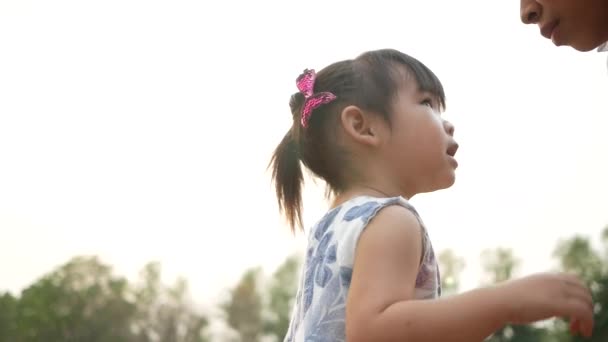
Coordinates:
[449,127]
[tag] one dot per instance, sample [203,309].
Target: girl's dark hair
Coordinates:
[370,82]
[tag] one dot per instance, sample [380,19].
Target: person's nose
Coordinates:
[530,11]
[449,127]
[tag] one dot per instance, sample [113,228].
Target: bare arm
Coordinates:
[470,317]
[381,307]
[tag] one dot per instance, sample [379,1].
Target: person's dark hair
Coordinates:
[370,82]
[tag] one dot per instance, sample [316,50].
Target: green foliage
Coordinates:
[281,293]
[499,264]
[255,311]
[8,318]
[244,308]
[84,301]
[520,333]
[451,266]
[165,314]
[81,301]
[574,255]
[577,255]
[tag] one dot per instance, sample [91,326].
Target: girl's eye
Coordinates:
[427,102]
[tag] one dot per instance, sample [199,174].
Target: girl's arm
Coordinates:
[380,304]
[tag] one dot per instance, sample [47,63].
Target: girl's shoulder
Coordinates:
[357,212]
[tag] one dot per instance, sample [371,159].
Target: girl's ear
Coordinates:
[361,126]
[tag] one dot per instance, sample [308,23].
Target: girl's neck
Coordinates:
[363,190]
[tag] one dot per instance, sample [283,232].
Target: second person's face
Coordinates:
[581,24]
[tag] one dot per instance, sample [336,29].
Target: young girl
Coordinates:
[371,127]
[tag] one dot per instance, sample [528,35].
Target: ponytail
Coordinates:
[288,178]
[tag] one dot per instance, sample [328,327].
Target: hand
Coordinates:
[542,296]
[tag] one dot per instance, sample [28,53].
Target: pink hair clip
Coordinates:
[306,84]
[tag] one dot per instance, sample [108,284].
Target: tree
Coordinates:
[521,333]
[84,301]
[577,255]
[8,308]
[80,301]
[165,314]
[243,309]
[281,294]
[499,264]
[451,266]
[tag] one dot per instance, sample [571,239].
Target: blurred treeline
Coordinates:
[84,300]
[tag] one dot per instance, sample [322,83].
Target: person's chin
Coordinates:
[561,36]
[447,180]
[584,48]
[584,45]
[451,180]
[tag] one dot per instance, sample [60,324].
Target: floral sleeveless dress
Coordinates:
[319,311]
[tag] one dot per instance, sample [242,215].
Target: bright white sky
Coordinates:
[141,130]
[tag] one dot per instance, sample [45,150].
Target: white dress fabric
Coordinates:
[319,310]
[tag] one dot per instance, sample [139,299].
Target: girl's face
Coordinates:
[421,147]
[581,24]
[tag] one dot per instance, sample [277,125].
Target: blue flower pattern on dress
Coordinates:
[319,313]
[363,210]
[327,321]
[319,259]
[346,274]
